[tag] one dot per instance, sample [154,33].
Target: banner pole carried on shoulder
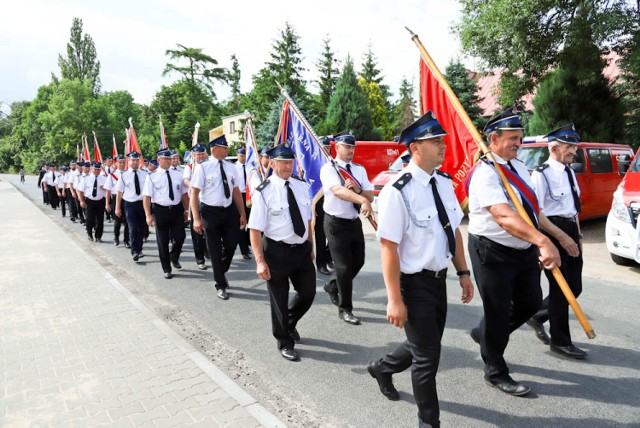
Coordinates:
[562,283]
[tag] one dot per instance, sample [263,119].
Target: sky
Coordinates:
[131,38]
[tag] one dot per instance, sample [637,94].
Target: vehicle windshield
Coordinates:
[397,164]
[533,156]
[635,167]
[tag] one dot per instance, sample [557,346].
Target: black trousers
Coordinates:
[169,228]
[323,255]
[199,245]
[346,242]
[73,207]
[509,283]
[243,235]
[136,219]
[287,263]
[426,300]
[45,196]
[220,225]
[555,307]
[118,222]
[63,204]
[95,217]
[54,200]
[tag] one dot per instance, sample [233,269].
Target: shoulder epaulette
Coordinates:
[297,177]
[516,159]
[356,164]
[443,174]
[542,167]
[262,185]
[402,181]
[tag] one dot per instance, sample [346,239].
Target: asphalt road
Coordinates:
[330,386]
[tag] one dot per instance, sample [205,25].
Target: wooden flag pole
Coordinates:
[562,283]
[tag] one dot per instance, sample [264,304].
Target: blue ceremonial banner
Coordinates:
[307,150]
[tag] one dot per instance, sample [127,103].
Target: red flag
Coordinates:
[114,151]
[461,146]
[133,139]
[97,155]
[85,149]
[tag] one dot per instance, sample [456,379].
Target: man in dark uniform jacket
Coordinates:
[45,194]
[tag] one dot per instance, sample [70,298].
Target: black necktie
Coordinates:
[95,187]
[294,211]
[525,205]
[170,186]
[574,192]
[444,218]
[225,184]
[244,172]
[356,206]
[136,181]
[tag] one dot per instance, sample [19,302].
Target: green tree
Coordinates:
[328,73]
[284,69]
[578,92]
[81,61]
[404,113]
[233,106]
[201,70]
[628,87]
[377,108]
[466,90]
[525,37]
[349,108]
[267,130]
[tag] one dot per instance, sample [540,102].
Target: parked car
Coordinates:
[597,169]
[622,231]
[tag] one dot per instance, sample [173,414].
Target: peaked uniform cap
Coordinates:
[424,128]
[508,120]
[564,134]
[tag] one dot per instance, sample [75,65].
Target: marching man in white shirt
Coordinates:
[282,212]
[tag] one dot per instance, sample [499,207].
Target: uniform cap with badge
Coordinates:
[199,148]
[220,141]
[508,120]
[281,152]
[564,134]
[424,128]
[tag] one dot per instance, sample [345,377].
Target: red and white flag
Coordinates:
[461,147]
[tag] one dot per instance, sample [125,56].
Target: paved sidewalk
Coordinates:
[80,350]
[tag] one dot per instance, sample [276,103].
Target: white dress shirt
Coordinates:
[240,173]
[270,210]
[332,204]
[416,228]
[156,186]
[126,185]
[112,180]
[485,190]
[87,187]
[208,179]
[554,190]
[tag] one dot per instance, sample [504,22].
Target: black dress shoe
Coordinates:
[246,256]
[202,266]
[571,351]
[127,245]
[330,265]
[116,242]
[99,240]
[90,238]
[295,336]
[332,292]
[385,381]
[349,318]
[509,386]
[222,294]
[176,265]
[289,354]
[136,256]
[323,270]
[538,327]
[168,275]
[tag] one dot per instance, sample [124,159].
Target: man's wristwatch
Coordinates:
[463,272]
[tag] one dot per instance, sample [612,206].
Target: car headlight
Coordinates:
[618,209]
